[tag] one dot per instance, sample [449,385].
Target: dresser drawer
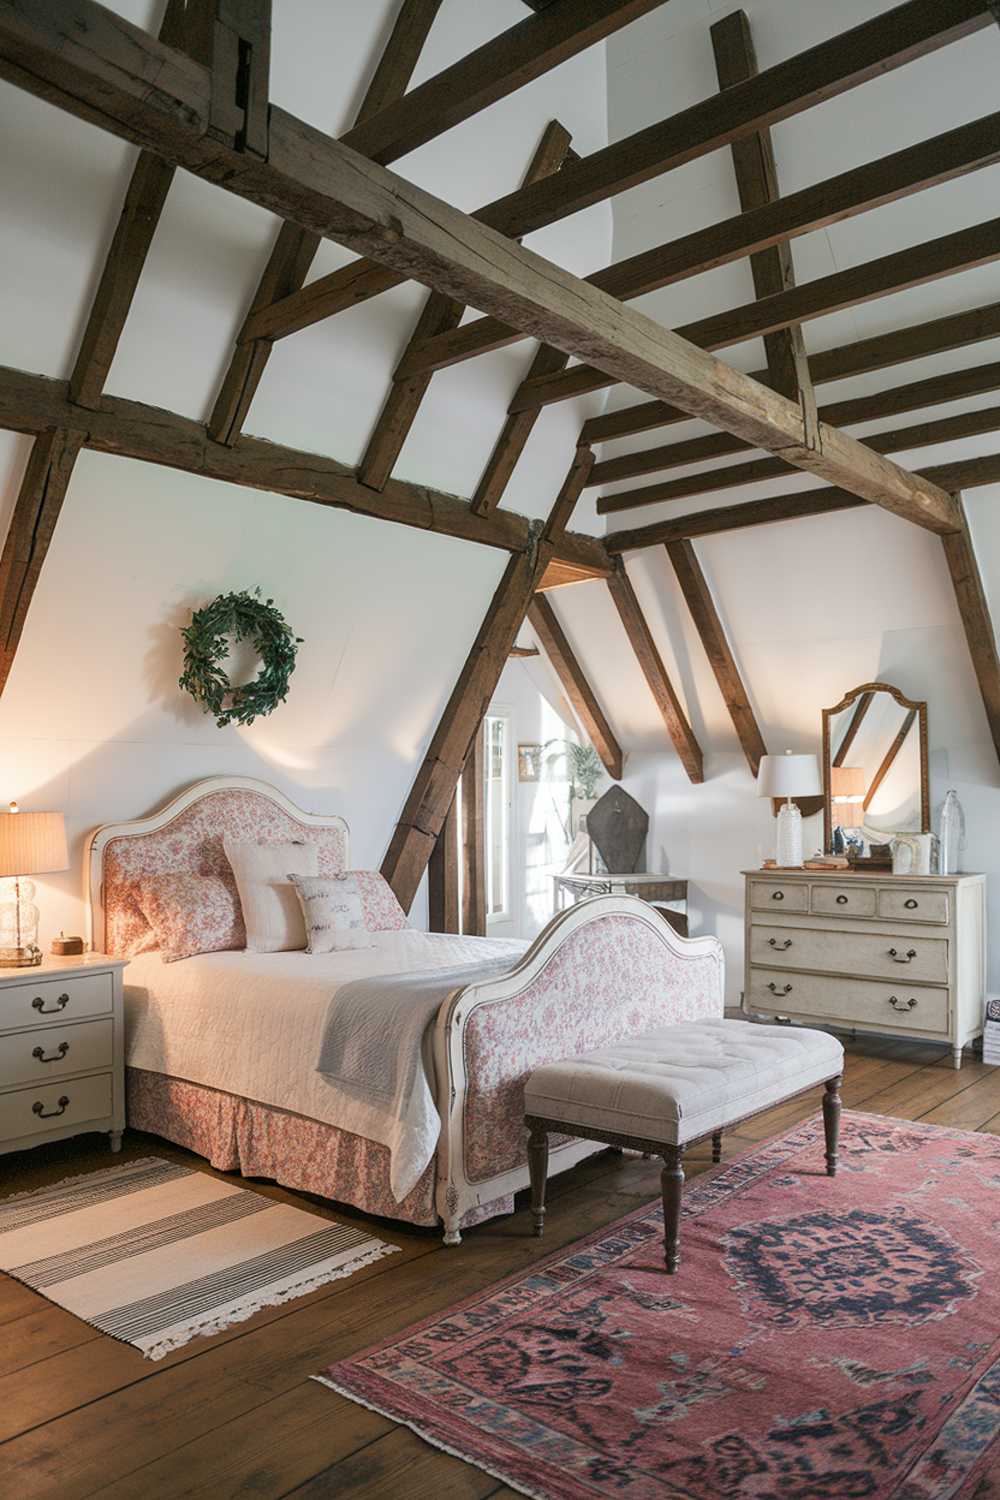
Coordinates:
[773,895]
[911,960]
[53,1106]
[843,900]
[908,905]
[53,1051]
[837,1001]
[50,1000]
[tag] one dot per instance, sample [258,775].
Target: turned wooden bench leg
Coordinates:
[672,1185]
[831,1122]
[538,1170]
[717,1146]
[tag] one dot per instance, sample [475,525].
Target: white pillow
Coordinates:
[333,913]
[271,910]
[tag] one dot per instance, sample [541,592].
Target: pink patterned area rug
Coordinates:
[823,1339]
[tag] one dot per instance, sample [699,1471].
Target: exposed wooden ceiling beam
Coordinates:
[655,673]
[561,574]
[698,595]
[328,188]
[886,180]
[33,404]
[888,41]
[894,440]
[524,651]
[861,708]
[889,759]
[918,340]
[896,272]
[544,622]
[934,391]
[406,392]
[964,474]
[977,620]
[474,838]
[295,248]
[443,890]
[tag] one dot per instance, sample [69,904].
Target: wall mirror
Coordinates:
[874,767]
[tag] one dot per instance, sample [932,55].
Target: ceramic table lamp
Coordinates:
[31,843]
[789,776]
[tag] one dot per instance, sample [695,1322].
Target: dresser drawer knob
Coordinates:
[49,1010]
[841,900]
[911,905]
[776,989]
[39,1109]
[898,1004]
[55,1056]
[777,895]
[781,947]
[902,958]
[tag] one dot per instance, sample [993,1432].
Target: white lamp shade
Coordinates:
[32,843]
[789,776]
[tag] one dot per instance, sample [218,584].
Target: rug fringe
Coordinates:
[98,1176]
[475,1463]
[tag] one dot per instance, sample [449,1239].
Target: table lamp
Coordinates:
[31,843]
[789,776]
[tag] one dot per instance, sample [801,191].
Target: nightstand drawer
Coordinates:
[53,1106]
[779,896]
[43,1001]
[53,1051]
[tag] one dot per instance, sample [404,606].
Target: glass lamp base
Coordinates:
[789,836]
[20,958]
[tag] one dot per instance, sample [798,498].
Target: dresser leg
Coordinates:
[831,1122]
[672,1186]
[115,1140]
[956,1058]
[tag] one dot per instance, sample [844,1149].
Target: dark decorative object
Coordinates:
[618,826]
[244,616]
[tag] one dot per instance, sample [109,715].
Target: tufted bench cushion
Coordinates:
[683,1082]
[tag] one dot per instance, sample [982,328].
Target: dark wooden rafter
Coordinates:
[563,660]
[474,838]
[33,404]
[884,351]
[655,673]
[893,440]
[440,313]
[843,62]
[977,620]
[861,708]
[698,596]
[889,759]
[524,652]
[295,247]
[947,255]
[443,889]
[967,148]
[560,573]
[232,39]
[936,390]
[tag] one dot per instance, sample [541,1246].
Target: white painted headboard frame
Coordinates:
[101,837]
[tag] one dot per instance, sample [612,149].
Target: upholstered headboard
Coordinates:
[187,835]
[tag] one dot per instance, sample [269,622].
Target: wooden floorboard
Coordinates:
[239,1414]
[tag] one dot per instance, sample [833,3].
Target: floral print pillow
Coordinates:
[382,912]
[191,914]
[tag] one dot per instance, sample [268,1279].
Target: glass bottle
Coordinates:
[952,834]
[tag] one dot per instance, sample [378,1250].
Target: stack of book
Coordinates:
[991,1031]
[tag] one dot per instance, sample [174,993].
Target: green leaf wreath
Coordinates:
[244,616]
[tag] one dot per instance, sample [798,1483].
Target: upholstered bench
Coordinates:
[661,1092]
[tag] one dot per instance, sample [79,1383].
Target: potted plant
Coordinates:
[585,774]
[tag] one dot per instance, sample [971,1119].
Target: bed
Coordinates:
[221,1048]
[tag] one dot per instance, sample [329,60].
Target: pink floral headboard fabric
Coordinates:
[192,842]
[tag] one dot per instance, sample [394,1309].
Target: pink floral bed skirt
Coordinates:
[258,1140]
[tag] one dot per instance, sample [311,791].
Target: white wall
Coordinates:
[92,721]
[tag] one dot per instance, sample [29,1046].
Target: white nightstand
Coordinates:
[62,1069]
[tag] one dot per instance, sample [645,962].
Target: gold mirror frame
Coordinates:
[919,707]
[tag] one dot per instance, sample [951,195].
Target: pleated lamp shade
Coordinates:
[32,843]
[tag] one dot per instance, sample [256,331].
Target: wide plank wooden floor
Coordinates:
[237,1414]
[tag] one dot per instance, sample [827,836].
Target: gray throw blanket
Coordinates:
[376,1049]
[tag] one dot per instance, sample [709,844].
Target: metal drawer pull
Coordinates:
[39,1004]
[784,990]
[898,1004]
[777,895]
[911,905]
[39,1109]
[55,1056]
[781,947]
[905,959]
[841,900]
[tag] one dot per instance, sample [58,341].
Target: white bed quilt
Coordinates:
[252,1024]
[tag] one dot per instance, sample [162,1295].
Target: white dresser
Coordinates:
[896,954]
[61,1051]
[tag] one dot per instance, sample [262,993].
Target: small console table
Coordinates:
[658,890]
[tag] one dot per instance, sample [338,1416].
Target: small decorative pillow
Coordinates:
[333,913]
[190,914]
[382,912]
[271,908]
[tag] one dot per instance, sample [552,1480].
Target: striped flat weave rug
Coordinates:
[154,1253]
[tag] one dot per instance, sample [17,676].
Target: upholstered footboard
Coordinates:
[604,970]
